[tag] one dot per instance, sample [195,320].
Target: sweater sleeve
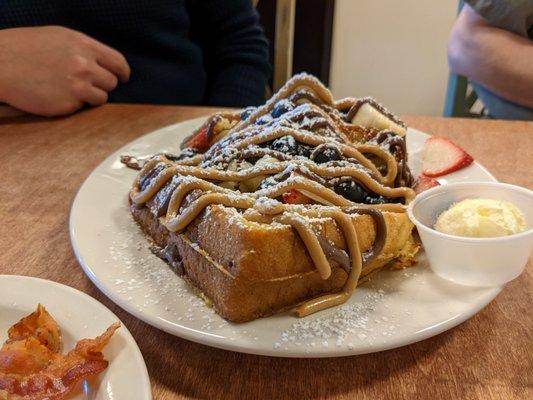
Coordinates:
[513,15]
[235,51]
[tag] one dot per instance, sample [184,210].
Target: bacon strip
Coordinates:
[31,367]
[40,325]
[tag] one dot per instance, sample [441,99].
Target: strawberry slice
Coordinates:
[424,183]
[440,156]
[293,196]
[200,141]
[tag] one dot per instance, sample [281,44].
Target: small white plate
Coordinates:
[394,309]
[79,316]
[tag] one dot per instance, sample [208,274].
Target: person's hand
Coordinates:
[53,70]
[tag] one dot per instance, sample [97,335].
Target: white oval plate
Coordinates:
[79,316]
[394,309]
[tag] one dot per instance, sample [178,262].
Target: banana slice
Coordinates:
[370,114]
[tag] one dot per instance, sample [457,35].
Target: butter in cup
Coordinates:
[481,218]
[487,261]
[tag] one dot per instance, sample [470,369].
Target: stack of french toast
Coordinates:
[284,206]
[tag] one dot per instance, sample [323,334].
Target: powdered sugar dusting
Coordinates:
[348,323]
[152,286]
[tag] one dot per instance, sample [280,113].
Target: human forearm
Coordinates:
[495,58]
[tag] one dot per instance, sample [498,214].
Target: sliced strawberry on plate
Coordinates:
[424,183]
[200,140]
[293,196]
[440,156]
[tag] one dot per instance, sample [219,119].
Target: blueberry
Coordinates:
[145,181]
[253,160]
[185,153]
[285,144]
[325,153]
[375,199]
[265,119]
[351,190]
[268,182]
[281,108]
[247,112]
[304,150]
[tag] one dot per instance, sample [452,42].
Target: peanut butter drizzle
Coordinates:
[318,256]
[294,183]
[313,85]
[310,240]
[347,150]
[247,135]
[196,178]
[301,81]
[333,299]
[181,221]
[192,161]
[176,221]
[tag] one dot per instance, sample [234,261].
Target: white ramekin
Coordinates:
[473,261]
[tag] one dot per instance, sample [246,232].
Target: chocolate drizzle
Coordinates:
[339,256]
[133,162]
[395,145]
[381,232]
[146,180]
[171,255]
[334,254]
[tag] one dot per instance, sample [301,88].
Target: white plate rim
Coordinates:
[208,339]
[123,331]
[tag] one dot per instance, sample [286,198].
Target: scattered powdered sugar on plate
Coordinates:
[150,283]
[410,301]
[340,328]
[147,282]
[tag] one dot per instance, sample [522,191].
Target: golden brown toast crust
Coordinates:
[250,270]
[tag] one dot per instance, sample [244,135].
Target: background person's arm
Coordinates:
[495,58]
[54,71]
[235,51]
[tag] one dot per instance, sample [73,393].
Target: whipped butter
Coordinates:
[481,218]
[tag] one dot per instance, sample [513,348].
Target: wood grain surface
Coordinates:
[44,161]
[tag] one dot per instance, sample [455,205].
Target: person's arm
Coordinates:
[235,51]
[495,58]
[52,70]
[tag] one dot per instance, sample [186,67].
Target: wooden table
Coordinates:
[44,161]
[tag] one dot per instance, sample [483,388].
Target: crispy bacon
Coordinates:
[40,325]
[31,367]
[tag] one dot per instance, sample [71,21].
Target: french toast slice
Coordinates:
[285,205]
[254,269]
